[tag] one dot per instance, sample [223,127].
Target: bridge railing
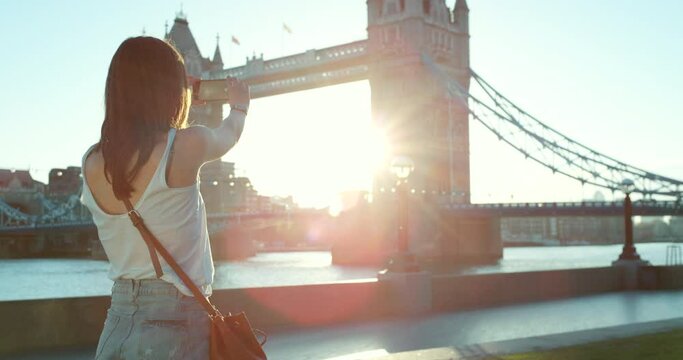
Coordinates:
[579,208]
[11,217]
[639,203]
[308,81]
[309,59]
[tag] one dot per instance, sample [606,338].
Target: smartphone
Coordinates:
[211,90]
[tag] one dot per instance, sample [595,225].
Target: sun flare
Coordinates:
[321,143]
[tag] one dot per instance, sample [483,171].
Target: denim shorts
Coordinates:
[151,319]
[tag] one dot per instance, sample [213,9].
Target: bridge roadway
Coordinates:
[555,209]
[311,69]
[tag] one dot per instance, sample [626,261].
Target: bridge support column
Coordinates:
[629,260]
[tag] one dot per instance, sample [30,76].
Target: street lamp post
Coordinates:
[629,260]
[402,259]
[629,251]
[409,288]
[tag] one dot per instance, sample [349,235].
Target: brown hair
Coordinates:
[146,94]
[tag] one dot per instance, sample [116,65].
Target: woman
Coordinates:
[147,154]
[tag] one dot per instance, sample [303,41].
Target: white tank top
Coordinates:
[176,216]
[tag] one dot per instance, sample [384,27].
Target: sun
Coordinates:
[344,147]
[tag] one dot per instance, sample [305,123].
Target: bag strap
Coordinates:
[152,243]
[138,223]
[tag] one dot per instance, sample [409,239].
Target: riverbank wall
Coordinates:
[31,325]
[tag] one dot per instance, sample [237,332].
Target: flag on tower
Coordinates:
[235,40]
[286,28]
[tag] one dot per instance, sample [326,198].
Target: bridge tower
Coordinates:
[195,64]
[409,104]
[215,176]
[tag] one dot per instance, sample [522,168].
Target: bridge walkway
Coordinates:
[470,334]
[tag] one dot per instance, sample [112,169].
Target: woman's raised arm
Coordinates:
[207,144]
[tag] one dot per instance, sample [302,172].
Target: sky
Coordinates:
[606,73]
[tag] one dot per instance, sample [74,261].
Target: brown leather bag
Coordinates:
[232,337]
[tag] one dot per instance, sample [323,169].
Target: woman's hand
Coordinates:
[238,91]
[205,144]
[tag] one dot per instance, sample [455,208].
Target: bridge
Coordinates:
[312,69]
[72,216]
[416,58]
[441,54]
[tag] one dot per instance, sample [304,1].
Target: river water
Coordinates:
[22,279]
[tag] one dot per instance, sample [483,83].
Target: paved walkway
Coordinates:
[536,343]
[460,335]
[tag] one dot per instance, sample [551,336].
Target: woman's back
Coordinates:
[175,214]
[181,171]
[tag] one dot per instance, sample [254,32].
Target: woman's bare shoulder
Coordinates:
[194,134]
[93,160]
[192,142]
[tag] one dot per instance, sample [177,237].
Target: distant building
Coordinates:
[592,230]
[263,204]
[570,230]
[214,180]
[528,230]
[562,230]
[223,192]
[19,180]
[587,230]
[243,197]
[283,203]
[64,182]
[652,228]
[20,191]
[598,196]
[266,204]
